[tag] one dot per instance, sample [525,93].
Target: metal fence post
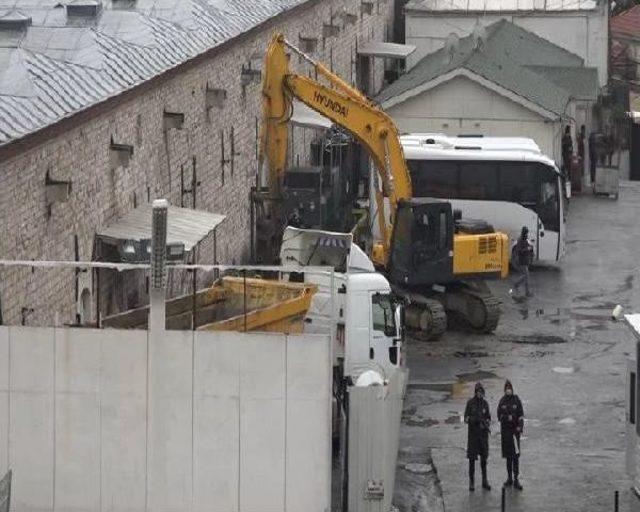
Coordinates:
[503,502]
[616,501]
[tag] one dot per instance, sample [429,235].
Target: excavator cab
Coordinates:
[422,243]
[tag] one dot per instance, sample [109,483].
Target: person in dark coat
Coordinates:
[511,418]
[567,150]
[478,417]
[523,255]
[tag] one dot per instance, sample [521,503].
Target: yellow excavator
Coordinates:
[433,259]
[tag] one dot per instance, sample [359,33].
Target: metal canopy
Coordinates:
[185,226]
[387,50]
[634,323]
[308,118]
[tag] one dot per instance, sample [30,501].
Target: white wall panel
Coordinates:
[209,421]
[216,459]
[31,413]
[4,399]
[123,413]
[170,421]
[262,455]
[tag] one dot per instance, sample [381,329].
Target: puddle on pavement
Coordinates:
[470,354]
[420,469]
[539,353]
[534,339]
[411,418]
[417,422]
[476,376]
[627,285]
[564,369]
[599,316]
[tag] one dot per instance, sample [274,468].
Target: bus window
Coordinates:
[548,209]
[433,178]
[519,183]
[479,180]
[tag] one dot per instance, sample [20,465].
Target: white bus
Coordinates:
[506,181]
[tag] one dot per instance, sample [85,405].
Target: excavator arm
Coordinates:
[346,107]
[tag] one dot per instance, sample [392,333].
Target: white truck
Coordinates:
[371,339]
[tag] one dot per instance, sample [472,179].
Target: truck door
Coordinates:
[383,330]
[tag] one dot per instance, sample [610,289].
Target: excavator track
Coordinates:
[475,309]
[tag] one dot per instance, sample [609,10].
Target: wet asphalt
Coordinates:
[567,360]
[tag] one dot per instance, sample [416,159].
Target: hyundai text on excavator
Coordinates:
[434,260]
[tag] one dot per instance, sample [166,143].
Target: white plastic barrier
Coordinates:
[111,420]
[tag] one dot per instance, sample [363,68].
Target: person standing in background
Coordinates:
[523,257]
[593,156]
[511,418]
[567,150]
[581,141]
[478,419]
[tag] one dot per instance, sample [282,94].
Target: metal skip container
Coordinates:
[231,304]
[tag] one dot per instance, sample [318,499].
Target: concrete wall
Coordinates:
[99,194]
[461,105]
[584,33]
[111,420]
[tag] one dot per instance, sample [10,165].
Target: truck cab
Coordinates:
[369,329]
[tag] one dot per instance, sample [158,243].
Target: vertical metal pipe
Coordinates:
[503,501]
[194,260]
[244,272]
[616,501]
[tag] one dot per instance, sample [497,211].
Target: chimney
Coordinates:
[14,20]
[84,8]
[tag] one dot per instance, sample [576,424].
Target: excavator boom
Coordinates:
[346,107]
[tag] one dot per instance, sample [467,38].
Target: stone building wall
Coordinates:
[99,194]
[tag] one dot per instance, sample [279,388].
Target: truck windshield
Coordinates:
[382,307]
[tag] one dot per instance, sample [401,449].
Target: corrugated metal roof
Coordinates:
[508,57]
[183,225]
[62,64]
[486,6]
[389,50]
[634,322]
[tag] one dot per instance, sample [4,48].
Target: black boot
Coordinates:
[516,472]
[485,482]
[472,474]
[509,481]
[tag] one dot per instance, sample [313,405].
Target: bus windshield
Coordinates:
[530,184]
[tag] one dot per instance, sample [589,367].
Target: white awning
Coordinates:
[635,116]
[634,322]
[184,226]
[388,50]
[308,118]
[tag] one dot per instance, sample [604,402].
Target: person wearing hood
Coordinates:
[478,419]
[523,253]
[511,418]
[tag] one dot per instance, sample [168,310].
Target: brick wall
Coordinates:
[99,194]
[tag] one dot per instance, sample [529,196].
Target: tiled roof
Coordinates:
[627,24]
[54,64]
[513,58]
